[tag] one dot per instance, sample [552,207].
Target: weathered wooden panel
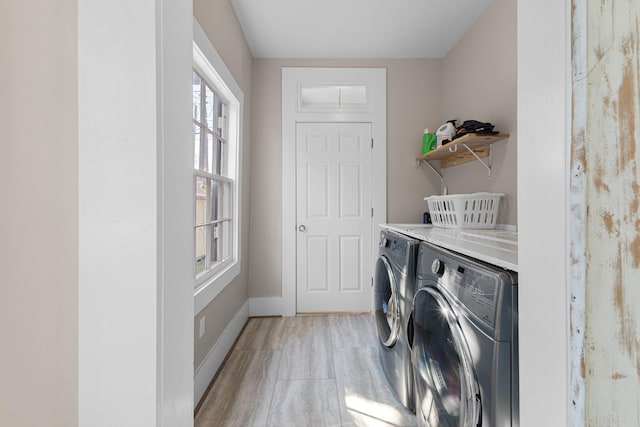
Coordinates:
[610,359]
[578,214]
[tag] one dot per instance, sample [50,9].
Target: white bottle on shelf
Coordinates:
[445,132]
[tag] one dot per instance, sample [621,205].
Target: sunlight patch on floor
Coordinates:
[367,412]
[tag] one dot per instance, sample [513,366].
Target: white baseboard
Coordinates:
[265,306]
[211,363]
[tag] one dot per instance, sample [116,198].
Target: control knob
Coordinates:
[437,267]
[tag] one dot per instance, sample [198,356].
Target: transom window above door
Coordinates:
[327,97]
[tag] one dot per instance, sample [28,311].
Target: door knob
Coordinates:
[302,228]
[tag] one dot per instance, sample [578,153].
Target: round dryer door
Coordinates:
[387,303]
[447,392]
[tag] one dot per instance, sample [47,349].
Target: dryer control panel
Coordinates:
[474,290]
[478,289]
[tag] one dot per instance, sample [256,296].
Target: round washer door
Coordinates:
[387,303]
[447,391]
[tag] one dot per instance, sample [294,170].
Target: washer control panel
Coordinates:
[398,246]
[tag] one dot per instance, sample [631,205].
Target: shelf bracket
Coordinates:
[488,166]
[433,169]
[440,174]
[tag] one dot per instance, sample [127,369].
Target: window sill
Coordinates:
[209,289]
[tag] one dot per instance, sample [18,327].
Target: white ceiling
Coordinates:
[355,28]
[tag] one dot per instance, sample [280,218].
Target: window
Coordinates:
[316,97]
[217,149]
[214,187]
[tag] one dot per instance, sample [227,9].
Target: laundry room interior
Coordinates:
[356,215]
[475,79]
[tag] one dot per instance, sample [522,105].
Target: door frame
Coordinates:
[375,112]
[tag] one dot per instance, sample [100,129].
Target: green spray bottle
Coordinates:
[428,141]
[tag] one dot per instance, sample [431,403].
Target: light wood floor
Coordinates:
[304,371]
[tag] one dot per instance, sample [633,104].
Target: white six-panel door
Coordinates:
[333,209]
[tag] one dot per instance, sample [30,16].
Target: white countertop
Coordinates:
[498,247]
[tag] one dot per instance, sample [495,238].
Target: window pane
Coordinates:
[226,206]
[197,85]
[211,256]
[320,96]
[221,200]
[225,239]
[221,122]
[222,158]
[210,165]
[353,96]
[214,245]
[203,257]
[201,200]
[225,200]
[210,112]
[196,147]
[215,203]
[201,248]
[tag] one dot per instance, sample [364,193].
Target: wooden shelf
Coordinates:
[455,153]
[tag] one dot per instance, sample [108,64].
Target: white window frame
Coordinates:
[208,63]
[219,136]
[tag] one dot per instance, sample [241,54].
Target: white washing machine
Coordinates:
[394,288]
[465,342]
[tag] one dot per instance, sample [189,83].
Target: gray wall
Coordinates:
[219,22]
[479,83]
[413,98]
[38,247]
